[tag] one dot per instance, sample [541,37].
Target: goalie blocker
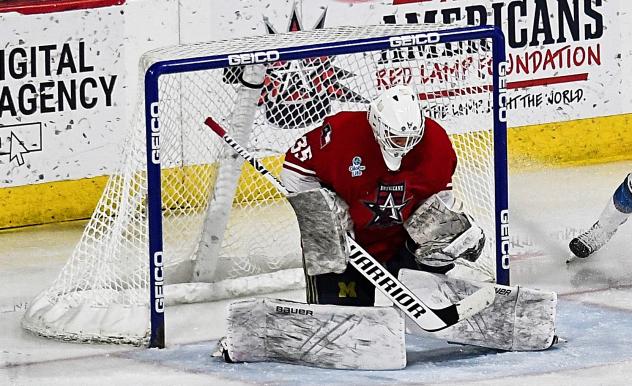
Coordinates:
[323,219]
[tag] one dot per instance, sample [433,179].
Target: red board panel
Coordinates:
[399,2]
[31,7]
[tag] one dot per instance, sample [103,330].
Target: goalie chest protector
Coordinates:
[345,157]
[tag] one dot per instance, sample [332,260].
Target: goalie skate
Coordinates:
[221,351]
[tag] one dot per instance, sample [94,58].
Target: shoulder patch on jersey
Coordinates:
[325,135]
[356,167]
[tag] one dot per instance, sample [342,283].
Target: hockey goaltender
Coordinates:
[384,177]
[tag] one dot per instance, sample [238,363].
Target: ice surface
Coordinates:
[548,207]
[596,337]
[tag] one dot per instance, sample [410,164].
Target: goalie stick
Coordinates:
[426,317]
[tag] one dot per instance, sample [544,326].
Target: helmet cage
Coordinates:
[398,142]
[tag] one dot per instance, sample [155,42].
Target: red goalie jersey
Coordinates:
[343,156]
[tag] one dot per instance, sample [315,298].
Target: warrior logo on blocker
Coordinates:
[387,209]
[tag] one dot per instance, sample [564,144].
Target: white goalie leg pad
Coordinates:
[519,319]
[323,220]
[328,336]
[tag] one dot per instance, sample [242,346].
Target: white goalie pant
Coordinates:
[337,337]
[519,319]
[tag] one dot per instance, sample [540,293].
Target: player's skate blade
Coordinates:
[571,258]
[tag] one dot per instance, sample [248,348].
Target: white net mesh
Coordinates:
[219,217]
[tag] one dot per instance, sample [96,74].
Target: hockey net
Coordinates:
[225,231]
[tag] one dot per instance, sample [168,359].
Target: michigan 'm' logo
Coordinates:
[347,290]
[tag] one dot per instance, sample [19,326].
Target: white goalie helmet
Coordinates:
[397,123]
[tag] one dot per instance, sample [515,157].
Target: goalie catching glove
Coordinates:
[442,235]
[323,219]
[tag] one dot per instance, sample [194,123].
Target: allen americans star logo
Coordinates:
[387,209]
[303,88]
